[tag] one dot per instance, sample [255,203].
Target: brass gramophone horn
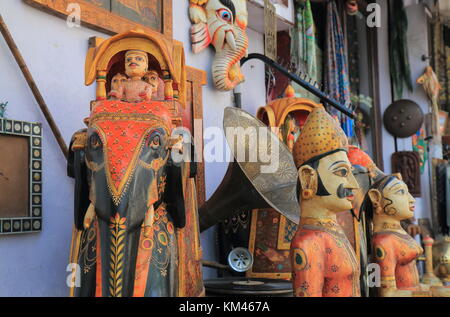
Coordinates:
[246,185]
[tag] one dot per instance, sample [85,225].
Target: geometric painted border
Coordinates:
[33,222]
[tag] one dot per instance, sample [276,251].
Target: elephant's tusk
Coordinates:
[90,214]
[148,222]
[231,40]
[177,144]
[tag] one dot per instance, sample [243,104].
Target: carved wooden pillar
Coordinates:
[429,277]
[101,85]
[168,85]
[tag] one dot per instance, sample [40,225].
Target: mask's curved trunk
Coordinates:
[226,66]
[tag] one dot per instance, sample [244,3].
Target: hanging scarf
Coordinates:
[309,42]
[303,49]
[336,69]
[398,49]
[420,146]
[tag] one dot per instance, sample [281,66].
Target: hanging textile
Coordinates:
[398,49]
[442,62]
[446,69]
[336,77]
[353,58]
[420,146]
[336,70]
[309,44]
[304,49]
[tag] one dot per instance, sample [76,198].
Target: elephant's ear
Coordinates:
[77,169]
[174,195]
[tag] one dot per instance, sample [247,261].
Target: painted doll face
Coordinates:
[152,78]
[397,201]
[335,172]
[136,63]
[117,81]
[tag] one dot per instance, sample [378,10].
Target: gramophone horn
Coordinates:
[245,185]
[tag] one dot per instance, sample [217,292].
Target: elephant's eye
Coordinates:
[154,141]
[95,142]
[225,15]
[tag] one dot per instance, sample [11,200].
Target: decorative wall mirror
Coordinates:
[20,177]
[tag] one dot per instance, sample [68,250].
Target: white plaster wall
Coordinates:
[418,46]
[34,264]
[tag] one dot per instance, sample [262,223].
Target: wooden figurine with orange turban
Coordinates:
[323,260]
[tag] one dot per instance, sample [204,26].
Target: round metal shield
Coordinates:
[403,118]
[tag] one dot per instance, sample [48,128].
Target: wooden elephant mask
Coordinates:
[223,24]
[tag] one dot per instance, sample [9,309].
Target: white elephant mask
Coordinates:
[223,24]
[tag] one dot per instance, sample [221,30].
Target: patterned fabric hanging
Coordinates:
[336,77]
[304,48]
[353,58]
[445,93]
[336,68]
[398,49]
[420,146]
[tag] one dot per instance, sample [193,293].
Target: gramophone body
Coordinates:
[323,260]
[136,224]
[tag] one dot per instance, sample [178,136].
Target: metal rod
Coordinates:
[216,265]
[32,84]
[322,96]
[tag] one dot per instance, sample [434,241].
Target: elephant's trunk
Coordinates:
[226,67]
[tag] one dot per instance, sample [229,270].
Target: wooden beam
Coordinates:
[32,84]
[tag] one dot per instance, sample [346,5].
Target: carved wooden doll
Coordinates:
[134,89]
[117,81]
[389,202]
[288,130]
[323,261]
[152,78]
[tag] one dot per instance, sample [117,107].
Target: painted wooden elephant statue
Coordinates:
[129,201]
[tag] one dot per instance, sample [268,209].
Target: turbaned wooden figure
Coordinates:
[323,260]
